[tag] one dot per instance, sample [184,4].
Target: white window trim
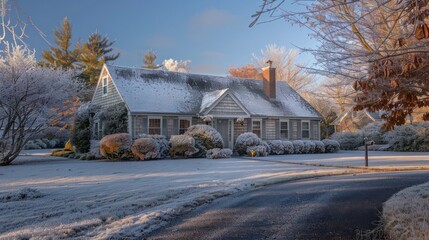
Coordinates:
[288,128]
[258,120]
[105,85]
[309,129]
[184,118]
[154,117]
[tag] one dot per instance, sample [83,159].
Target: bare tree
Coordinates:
[248,71]
[31,97]
[286,69]
[380,46]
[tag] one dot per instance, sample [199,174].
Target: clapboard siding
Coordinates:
[227,106]
[270,129]
[111,98]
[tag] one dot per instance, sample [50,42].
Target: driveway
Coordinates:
[326,208]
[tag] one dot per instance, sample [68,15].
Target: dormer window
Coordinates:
[105,86]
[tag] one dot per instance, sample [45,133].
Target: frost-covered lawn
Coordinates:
[46,197]
[377,159]
[406,214]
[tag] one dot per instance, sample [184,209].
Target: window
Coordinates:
[154,125]
[257,127]
[305,129]
[104,86]
[284,129]
[183,125]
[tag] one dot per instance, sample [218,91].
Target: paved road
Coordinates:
[323,208]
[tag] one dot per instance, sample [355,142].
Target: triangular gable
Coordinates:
[224,104]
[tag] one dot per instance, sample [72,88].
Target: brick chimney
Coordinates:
[269,80]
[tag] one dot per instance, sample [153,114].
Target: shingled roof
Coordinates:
[158,91]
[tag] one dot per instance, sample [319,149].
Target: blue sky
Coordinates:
[213,34]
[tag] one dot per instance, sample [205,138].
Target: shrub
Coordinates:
[374,132]
[62,153]
[145,148]
[298,146]
[182,145]
[276,147]
[331,146]
[257,151]
[114,119]
[407,138]
[309,147]
[116,146]
[349,140]
[219,153]
[288,147]
[40,143]
[319,147]
[246,140]
[81,133]
[164,144]
[31,145]
[206,137]
[94,149]
[59,134]
[265,143]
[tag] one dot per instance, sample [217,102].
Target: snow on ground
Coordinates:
[377,159]
[406,214]
[47,197]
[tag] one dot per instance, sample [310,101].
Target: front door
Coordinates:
[224,128]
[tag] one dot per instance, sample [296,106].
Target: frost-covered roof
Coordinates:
[210,98]
[373,115]
[158,91]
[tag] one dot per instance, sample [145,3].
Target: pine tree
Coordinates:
[61,56]
[149,60]
[94,53]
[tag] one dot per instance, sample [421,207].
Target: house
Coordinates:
[167,103]
[350,121]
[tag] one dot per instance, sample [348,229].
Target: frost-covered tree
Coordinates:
[30,98]
[61,56]
[286,67]
[176,65]
[379,46]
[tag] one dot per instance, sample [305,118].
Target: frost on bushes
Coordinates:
[81,134]
[374,132]
[116,146]
[245,140]
[349,140]
[56,133]
[277,147]
[319,147]
[409,138]
[265,143]
[331,146]
[288,147]
[309,147]
[219,153]
[114,119]
[206,137]
[257,151]
[182,145]
[94,149]
[298,146]
[41,144]
[164,144]
[145,148]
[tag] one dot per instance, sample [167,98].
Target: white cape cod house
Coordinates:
[167,103]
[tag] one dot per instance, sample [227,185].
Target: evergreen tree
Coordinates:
[94,53]
[61,56]
[149,60]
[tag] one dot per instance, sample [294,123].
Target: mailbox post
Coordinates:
[367,143]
